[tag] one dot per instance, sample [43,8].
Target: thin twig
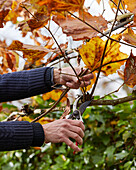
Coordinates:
[102,59]
[115,91]
[54,105]
[116,5]
[55,42]
[103,34]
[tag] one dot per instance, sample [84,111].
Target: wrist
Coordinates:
[56,76]
[45,134]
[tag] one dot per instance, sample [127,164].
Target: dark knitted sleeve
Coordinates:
[20,135]
[23,84]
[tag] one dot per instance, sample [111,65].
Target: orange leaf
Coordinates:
[92,51]
[31,52]
[55,95]
[129,36]
[98,1]
[130,71]
[62,5]
[78,30]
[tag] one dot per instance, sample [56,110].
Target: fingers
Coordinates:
[72,145]
[72,129]
[77,123]
[87,77]
[74,136]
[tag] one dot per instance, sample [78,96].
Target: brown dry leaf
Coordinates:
[41,19]
[55,95]
[9,61]
[129,36]
[62,5]
[77,29]
[92,51]
[131,6]
[31,52]
[130,71]
[3,14]
[5,6]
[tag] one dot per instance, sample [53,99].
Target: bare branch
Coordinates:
[113,102]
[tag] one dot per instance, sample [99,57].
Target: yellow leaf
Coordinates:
[55,95]
[86,116]
[92,51]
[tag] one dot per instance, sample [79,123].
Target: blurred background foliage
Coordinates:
[109,141]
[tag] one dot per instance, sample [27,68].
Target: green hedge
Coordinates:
[109,143]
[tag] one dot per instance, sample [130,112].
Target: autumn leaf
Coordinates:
[77,29]
[3,14]
[130,71]
[54,95]
[126,4]
[129,36]
[114,4]
[98,1]
[14,13]
[92,51]
[40,19]
[31,52]
[9,59]
[62,5]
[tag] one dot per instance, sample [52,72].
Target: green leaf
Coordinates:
[121,155]
[119,143]
[109,152]
[126,135]
[105,139]
[127,165]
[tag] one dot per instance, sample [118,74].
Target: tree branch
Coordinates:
[113,102]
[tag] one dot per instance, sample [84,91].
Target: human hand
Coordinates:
[67,77]
[63,129]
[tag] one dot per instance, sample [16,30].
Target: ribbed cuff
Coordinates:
[47,77]
[15,135]
[38,134]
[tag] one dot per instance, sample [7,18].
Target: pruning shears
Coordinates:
[77,113]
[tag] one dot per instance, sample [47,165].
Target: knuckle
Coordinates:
[76,136]
[65,125]
[70,144]
[79,131]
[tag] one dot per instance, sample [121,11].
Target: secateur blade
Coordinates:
[83,106]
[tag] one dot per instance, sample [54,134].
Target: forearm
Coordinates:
[20,135]
[23,84]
